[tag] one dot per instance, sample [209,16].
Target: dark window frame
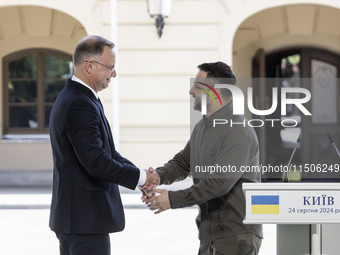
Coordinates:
[40,80]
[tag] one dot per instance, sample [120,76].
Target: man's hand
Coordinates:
[160,202]
[152,180]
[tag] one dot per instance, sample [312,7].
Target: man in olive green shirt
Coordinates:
[219,195]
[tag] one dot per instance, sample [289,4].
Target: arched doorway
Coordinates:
[303,38]
[316,70]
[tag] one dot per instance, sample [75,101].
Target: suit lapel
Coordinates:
[106,124]
[101,110]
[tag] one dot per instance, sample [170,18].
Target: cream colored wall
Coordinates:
[154,75]
[25,156]
[154,72]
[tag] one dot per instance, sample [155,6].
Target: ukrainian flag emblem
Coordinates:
[265,204]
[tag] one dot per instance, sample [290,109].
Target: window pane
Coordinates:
[56,67]
[290,74]
[33,81]
[52,89]
[22,91]
[23,117]
[47,116]
[25,67]
[325,89]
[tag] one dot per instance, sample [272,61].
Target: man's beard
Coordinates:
[197,105]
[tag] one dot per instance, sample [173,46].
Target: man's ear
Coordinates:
[88,67]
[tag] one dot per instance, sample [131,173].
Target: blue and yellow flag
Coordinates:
[265,204]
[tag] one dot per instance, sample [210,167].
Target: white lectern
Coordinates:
[294,203]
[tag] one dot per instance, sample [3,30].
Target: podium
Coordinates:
[303,206]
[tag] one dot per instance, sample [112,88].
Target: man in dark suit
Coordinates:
[86,203]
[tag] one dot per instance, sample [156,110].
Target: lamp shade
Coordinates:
[159,7]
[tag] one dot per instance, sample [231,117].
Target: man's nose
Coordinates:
[191,91]
[114,74]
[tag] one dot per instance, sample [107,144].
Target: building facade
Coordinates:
[148,103]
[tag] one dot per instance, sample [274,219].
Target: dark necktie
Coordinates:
[101,105]
[107,125]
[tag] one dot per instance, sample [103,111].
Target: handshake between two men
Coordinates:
[158,202]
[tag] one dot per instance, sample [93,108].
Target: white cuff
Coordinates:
[142,177]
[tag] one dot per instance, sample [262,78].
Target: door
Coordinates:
[317,71]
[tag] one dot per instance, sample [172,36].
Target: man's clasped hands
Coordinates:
[158,202]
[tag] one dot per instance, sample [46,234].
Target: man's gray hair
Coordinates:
[89,47]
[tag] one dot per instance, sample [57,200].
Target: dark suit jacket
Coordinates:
[87,168]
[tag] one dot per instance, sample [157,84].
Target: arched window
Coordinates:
[32,80]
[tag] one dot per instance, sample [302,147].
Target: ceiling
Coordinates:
[306,22]
[37,21]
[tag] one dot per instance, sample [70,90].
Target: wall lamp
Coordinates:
[159,9]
